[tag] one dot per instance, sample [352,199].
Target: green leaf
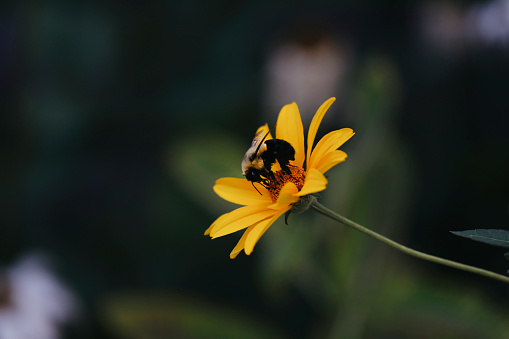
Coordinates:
[491,237]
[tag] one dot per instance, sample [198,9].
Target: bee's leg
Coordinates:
[256,188]
[264,183]
[271,176]
[285,168]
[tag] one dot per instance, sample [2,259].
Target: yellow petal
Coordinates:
[241,192]
[230,227]
[287,195]
[258,230]
[240,245]
[315,182]
[264,129]
[315,123]
[289,128]
[233,216]
[330,142]
[330,160]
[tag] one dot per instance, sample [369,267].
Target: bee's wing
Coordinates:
[260,134]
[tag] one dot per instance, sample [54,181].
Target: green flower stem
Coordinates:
[315,205]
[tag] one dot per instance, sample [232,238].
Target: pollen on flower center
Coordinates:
[297,177]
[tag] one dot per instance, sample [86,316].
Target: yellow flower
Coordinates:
[261,209]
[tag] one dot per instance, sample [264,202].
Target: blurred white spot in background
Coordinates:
[489,22]
[33,302]
[307,72]
[447,27]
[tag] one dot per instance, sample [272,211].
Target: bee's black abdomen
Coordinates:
[280,150]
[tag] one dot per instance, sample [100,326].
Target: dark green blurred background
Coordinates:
[117,118]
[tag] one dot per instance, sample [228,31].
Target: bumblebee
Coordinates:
[259,158]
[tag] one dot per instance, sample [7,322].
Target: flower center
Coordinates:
[297,176]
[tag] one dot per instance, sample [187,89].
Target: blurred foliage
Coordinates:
[151,315]
[197,160]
